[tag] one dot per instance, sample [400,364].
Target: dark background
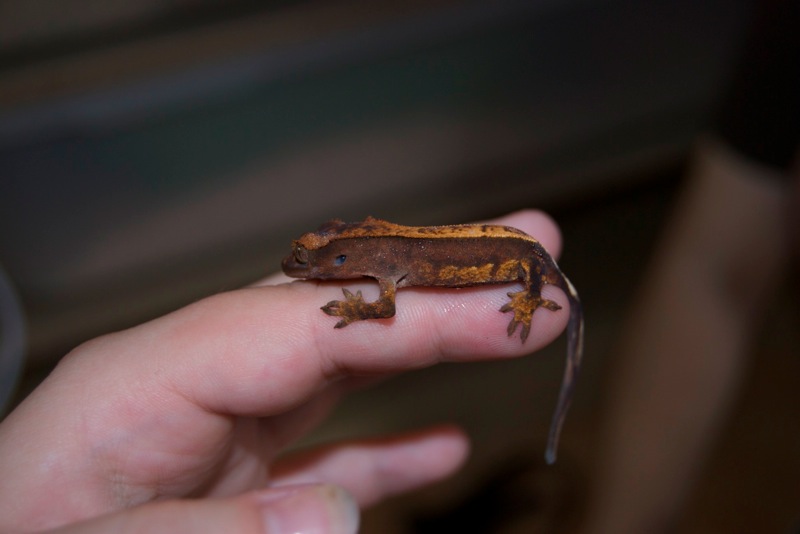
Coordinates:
[155,152]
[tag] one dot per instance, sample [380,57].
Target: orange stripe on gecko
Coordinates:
[372,227]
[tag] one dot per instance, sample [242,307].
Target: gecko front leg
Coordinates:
[354,308]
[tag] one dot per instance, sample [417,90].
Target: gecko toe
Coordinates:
[526,329]
[331,308]
[512,326]
[550,305]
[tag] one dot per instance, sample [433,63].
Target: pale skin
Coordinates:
[178,425]
[686,340]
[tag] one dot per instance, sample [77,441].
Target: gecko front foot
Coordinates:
[351,309]
[523,304]
[354,308]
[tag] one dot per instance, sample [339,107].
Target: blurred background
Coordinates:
[158,151]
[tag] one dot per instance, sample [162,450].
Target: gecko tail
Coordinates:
[575,330]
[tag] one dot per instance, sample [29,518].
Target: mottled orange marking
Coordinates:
[447,272]
[508,269]
[466,274]
[424,268]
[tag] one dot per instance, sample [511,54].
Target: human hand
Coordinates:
[176,424]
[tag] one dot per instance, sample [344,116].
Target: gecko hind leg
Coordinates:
[523,304]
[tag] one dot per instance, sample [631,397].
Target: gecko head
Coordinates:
[329,260]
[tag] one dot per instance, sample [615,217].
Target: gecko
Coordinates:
[460,255]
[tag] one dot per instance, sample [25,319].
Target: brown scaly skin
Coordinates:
[444,256]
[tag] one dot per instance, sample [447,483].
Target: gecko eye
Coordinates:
[300,254]
[339,260]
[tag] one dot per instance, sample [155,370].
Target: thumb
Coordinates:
[312,508]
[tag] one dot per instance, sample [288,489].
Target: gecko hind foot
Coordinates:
[523,304]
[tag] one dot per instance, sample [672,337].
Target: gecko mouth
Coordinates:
[294,268]
[296,264]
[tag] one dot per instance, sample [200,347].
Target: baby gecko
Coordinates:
[445,256]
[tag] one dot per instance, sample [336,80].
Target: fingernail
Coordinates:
[309,509]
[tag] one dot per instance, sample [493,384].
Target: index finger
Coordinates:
[265,349]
